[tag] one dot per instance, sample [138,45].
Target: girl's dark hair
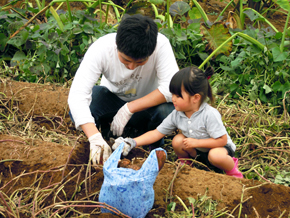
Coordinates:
[194,81]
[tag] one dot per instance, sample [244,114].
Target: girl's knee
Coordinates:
[178,146]
[217,155]
[177,141]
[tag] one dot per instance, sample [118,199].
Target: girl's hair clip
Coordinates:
[208,77]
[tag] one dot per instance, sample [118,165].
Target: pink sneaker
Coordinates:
[183,161]
[235,171]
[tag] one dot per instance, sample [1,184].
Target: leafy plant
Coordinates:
[283,178]
[239,19]
[200,207]
[286,6]
[47,51]
[178,9]
[52,51]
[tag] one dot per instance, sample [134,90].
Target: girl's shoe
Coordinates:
[235,171]
[183,161]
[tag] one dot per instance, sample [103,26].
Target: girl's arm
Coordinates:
[148,138]
[205,143]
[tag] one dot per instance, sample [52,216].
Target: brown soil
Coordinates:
[44,159]
[26,160]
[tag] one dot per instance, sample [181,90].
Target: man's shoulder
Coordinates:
[106,42]
[107,39]
[162,38]
[110,37]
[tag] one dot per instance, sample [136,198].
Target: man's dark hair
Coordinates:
[137,36]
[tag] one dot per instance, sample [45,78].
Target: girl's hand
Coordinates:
[191,142]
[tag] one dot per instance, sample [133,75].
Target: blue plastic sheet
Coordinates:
[128,190]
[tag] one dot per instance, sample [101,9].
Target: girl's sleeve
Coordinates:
[168,125]
[214,124]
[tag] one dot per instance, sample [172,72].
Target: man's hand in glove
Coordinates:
[129,144]
[120,120]
[99,146]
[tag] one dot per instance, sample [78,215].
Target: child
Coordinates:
[202,130]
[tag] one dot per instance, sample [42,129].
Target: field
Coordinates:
[44,167]
[44,161]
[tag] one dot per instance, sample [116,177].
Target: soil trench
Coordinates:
[23,158]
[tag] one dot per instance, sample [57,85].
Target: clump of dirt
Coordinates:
[28,163]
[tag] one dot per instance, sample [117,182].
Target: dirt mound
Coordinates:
[31,165]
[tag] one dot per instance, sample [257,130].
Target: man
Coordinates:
[135,65]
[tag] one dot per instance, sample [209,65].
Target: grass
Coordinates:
[262,141]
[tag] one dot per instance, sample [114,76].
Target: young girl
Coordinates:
[202,131]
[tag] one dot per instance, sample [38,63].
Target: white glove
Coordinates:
[120,120]
[129,144]
[99,146]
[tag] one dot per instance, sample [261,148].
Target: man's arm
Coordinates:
[98,146]
[124,114]
[89,129]
[152,99]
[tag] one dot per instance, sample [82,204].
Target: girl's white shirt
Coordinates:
[101,60]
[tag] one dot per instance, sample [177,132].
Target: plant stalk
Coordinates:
[252,40]
[284,32]
[69,11]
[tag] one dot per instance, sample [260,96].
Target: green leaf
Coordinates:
[236,62]
[52,36]
[68,26]
[267,89]
[171,206]
[239,90]
[88,28]
[194,13]
[278,55]
[3,41]
[12,27]
[39,68]
[225,68]
[286,87]
[284,4]
[138,7]
[57,18]
[277,86]
[191,200]
[77,30]
[19,39]
[262,96]
[202,55]
[194,27]
[234,87]
[64,50]
[217,34]
[179,8]
[253,95]
[18,56]
[251,14]
[157,2]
